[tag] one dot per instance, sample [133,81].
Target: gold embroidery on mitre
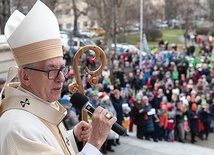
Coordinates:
[38,51]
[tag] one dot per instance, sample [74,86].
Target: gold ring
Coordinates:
[108,115]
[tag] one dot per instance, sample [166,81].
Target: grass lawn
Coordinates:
[171,35]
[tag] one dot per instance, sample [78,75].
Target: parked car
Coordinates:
[64,40]
[69,40]
[133,28]
[124,47]
[161,25]
[88,33]
[80,42]
[98,30]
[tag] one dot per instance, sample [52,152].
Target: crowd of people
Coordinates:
[169,96]
[31,116]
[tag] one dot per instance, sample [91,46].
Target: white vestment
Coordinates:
[29,126]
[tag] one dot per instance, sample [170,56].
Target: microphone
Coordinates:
[80,101]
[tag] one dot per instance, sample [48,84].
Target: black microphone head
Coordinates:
[78,100]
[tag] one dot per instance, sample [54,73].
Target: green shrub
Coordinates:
[205,31]
[153,34]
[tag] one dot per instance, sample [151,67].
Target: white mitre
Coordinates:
[34,37]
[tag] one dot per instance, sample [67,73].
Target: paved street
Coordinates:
[133,146]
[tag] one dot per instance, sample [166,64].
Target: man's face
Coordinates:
[117,95]
[40,85]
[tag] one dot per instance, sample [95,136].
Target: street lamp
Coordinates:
[115,27]
[141,32]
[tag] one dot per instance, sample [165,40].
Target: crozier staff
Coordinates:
[30,114]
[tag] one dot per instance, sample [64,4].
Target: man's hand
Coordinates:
[96,131]
[101,126]
[82,131]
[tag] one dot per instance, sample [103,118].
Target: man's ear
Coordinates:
[24,77]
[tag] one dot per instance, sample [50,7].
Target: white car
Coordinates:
[123,47]
[64,40]
[81,42]
[133,28]
[162,25]
[88,33]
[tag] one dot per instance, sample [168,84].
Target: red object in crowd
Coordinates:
[199,39]
[170,126]
[132,100]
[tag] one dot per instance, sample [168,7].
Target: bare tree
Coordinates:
[4,13]
[105,15]
[208,6]
[187,9]
[52,4]
[211,14]
[69,6]
[77,13]
[171,9]
[182,10]
[152,12]
[8,6]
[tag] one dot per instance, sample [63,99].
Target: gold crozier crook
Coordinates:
[78,86]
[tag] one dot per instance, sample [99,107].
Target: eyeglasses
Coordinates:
[52,74]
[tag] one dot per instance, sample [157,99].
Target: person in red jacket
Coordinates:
[163,120]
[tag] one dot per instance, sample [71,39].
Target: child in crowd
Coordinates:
[139,113]
[171,129]
[186,127]
[157,128]
[179,119]
[204,115]
[126,117]
[163,121]
[148,124]
[193,122]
